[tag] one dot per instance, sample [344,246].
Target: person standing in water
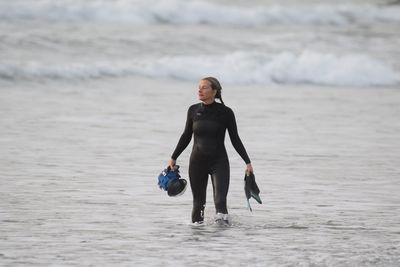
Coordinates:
[208,121]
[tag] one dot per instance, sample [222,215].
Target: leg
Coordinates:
[198,174]
[220,181]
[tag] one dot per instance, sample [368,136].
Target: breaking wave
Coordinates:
[198,12]
[240,67]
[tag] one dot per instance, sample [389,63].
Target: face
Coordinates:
[206,93]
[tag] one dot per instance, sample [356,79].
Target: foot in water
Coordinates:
[222,219]
[200,223]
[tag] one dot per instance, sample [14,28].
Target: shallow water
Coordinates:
[78,177]
[84,134]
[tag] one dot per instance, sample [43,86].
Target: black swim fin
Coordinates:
[251,189]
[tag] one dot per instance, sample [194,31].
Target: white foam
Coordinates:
[197,12]
[240,67]
[38,70]
[284,68]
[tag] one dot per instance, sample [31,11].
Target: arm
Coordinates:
[185,138]
[235,139]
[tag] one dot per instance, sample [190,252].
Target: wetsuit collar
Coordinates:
[208,105]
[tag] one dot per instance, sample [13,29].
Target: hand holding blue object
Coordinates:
[170,180]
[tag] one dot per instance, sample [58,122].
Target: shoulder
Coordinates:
[227,110]
[226,113]
[194,107]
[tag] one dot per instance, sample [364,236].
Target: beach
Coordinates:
[93,104]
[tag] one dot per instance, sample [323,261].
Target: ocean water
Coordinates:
[346,43]
[93,97]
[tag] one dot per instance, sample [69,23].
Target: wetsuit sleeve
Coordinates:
[235,139]
[185,137]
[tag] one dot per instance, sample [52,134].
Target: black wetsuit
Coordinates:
[208,124]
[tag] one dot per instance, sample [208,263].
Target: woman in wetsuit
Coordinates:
[207,122]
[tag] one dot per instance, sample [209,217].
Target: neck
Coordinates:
[208,101]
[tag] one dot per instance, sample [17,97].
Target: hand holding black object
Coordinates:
[249,169]
[251,189]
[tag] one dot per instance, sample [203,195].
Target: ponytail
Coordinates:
[220,99]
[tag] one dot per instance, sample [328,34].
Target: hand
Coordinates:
[249,169]
[172,164]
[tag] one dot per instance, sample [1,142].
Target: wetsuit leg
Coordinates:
[220,181]
[198,175]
